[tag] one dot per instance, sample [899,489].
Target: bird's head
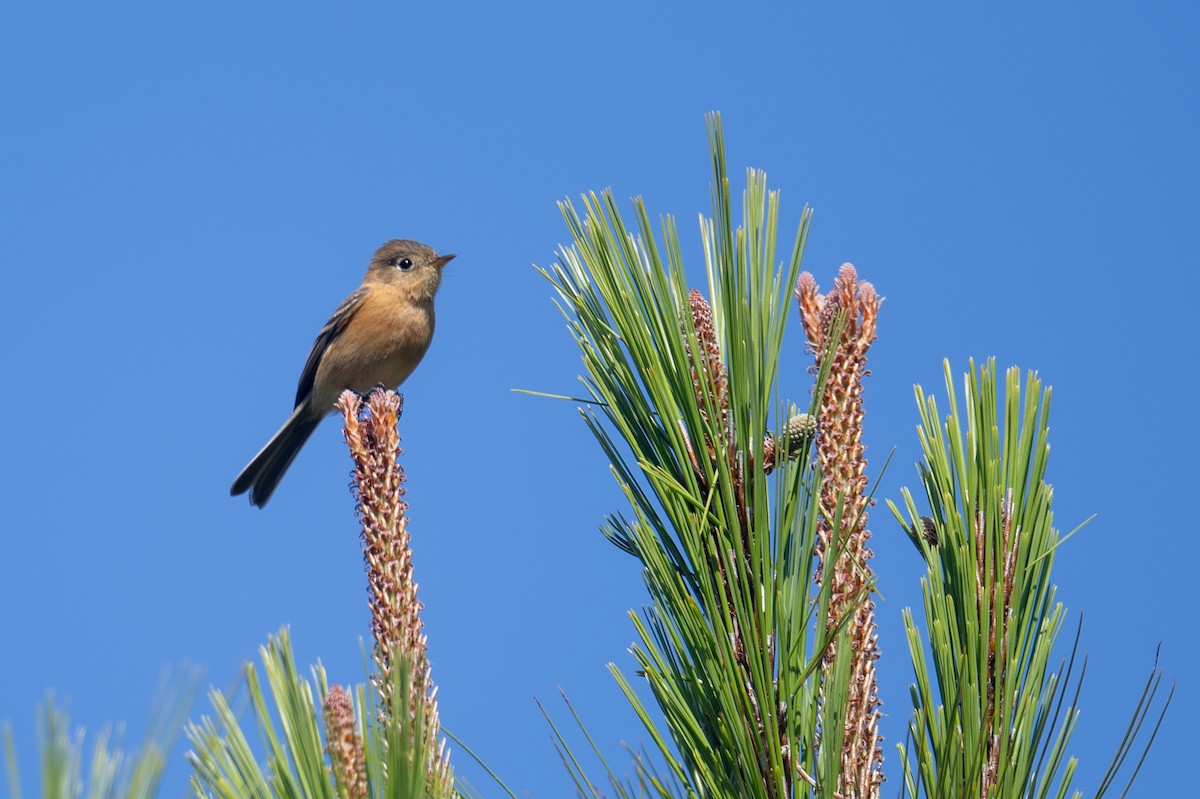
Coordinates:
[408,264]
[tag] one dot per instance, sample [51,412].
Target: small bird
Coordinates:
[377,335]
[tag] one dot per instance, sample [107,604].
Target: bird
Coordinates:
[377,336]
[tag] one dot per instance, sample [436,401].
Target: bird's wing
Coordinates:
[333,328]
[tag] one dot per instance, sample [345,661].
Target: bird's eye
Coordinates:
[403,264]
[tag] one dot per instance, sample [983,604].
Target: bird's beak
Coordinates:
[442,260]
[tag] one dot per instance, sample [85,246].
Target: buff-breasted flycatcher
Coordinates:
[377,335]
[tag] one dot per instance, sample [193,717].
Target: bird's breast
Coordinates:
[382,343]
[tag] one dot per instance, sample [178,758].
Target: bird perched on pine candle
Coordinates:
[377,335]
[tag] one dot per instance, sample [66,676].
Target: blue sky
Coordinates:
[186,194]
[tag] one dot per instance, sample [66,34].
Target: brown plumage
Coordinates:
[377,335]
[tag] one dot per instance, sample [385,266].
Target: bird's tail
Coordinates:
[262,475]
